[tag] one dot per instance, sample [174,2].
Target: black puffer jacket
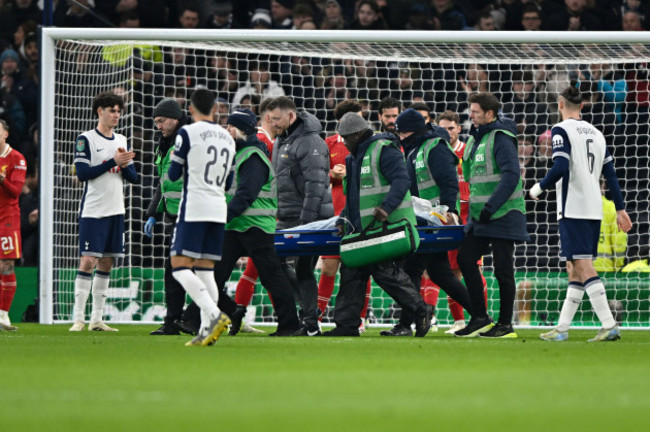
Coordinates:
[301,164]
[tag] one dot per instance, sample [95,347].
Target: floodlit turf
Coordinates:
[54,380]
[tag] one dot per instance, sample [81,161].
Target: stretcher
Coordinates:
[326,242]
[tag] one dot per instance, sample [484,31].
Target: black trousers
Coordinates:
[471,250]
[174,291]
[439,270]
[259,246]
[390,276]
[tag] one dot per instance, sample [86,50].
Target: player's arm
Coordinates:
[314,163]
[622,218]
[13,184]
[252,176]
[561,156]
[181,148]
[82,166]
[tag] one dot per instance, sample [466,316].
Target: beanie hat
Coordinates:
[168,108]
[244,120]
[9,53]
[352,123]
[261,16]
[409,121]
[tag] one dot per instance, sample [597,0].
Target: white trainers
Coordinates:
[607,335]
[434,324]
[5,324]
[362,327]
[555,335]
[77,326]
[100,326]
[457,325]
[247,328]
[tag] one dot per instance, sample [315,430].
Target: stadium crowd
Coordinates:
[616,96]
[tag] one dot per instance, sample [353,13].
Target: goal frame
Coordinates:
[49,36]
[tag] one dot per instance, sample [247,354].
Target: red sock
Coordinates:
[429,291]
[246,285]
[455,309]
[485,294]
[364,311]
[7,291]
[325,290]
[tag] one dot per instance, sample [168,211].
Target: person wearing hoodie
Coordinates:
[301,164]
[252,208]
[497,214]
[169,118]
[431,164]
[377,189]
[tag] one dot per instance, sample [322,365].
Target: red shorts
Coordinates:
[10,244]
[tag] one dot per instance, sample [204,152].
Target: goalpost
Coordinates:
[317,69]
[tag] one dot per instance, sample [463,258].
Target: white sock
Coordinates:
[598,298]
[197,291]
[207,277]
[571,303]
[82,285]
[100,292]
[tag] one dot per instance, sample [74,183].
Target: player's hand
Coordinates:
[2,176]
[123,157]
[33,217]
[535,191]
[623,221]
[148,227]
[380,214]
[340,230]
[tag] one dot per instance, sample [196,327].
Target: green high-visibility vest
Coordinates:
[262,212]
[171,190]
[483,175]
[374,188]
[427,186]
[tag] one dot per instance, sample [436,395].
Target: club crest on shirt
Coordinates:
[81,145]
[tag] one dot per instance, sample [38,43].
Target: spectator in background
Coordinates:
[11,90]
[259,83]
[485,22]
[221,16]
[16,14]
[188,17]
[222,112]
[22,31]
[631,21]
[333,19]
[612,86]
[301,13]
[446,16]
[574,17]
[418,19]
[281,13]
[82,14]
[29,201]
[261,19]
[29,147]
[387,113]
[368,17]
[530,114]
[531,19]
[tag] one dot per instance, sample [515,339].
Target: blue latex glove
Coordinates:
[148,227]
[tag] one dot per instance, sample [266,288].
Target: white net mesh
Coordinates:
[525,77]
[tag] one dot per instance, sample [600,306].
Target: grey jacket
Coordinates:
[301,164]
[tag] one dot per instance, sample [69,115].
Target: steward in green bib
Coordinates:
[376,190]
[252,208]
[169,118]
[497,216]
[431,164]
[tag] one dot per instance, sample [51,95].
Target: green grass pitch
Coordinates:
[53,380]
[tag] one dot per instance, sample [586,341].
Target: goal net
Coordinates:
[318,70]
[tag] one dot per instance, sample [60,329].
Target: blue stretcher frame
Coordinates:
[326,242]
